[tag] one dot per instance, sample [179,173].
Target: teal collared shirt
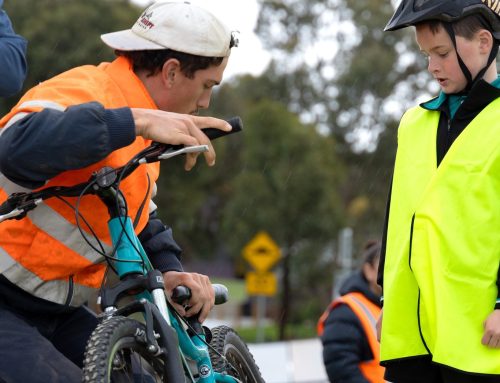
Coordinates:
[454,101]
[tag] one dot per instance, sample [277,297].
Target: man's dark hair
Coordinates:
[152,61]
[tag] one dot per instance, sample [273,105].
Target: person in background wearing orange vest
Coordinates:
[347,327]
[63,130]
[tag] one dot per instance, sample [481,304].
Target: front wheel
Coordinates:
[230,354]
[117,352]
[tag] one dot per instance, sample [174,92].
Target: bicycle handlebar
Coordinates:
[18,204]
[181,294]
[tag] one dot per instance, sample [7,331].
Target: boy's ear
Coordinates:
[485,41]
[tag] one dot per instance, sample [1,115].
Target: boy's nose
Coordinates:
[432,67]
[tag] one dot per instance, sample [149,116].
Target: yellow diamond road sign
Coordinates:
[262,252]
[261,283]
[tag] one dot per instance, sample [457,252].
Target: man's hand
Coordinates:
[491,336]
[178,129]
[202,293]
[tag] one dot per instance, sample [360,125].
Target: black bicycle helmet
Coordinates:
[411,12]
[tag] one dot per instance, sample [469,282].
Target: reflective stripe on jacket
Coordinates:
[367,313]
[443,243]
[45,253]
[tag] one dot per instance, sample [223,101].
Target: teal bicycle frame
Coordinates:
[131,259]
[182,346]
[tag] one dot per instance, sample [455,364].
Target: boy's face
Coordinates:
[188,95]
[442,57]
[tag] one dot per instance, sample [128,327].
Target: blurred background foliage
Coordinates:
[318,143]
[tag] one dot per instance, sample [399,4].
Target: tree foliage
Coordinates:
[341,68]
[338,69]
[63,34]
[300,179]
[335,67]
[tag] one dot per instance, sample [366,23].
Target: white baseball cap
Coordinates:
[179,26]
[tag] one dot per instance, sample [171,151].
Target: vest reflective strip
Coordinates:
[51,222]
[32,104]
[369,315]
[54,224]
[56,291]
[152,206]
[6,260]
[17,117]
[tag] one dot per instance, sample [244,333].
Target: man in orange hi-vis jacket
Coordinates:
[59,133]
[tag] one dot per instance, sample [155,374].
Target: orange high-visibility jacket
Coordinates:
[367,313]
[45,253]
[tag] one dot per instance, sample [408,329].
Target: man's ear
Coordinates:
[170,71]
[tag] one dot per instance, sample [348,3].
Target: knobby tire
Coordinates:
[116,353]
[237,359]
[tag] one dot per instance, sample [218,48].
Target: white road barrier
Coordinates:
[298,361]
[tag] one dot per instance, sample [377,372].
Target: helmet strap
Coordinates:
[449,28]
[470,81]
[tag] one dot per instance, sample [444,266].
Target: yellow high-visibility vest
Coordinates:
[443,243]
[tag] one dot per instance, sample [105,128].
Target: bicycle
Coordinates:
[160,346]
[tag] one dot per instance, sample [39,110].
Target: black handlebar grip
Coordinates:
[181,294]
[6,207]
[213,133]
[221,294]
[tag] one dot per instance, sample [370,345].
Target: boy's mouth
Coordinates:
[441,81]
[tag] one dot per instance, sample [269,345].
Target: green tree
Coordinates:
[287,187]
[63,34]
[340,71]
[278,175]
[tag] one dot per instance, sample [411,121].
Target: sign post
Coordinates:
[261,253]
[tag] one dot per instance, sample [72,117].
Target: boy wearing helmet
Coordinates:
[440,264]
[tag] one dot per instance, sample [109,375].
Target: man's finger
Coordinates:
[211,122]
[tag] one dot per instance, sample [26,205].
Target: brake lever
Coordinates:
[158,151]
[17,206]
[185,150]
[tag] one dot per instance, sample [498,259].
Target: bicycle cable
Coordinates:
[182,319]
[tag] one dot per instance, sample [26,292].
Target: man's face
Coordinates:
[442,57]
[181,94]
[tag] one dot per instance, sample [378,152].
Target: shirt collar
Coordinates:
[454,101]
[131,86]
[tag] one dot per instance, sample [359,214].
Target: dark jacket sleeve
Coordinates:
[13,65]
[160,246]
[344,346]
[380,274]
[44,144]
